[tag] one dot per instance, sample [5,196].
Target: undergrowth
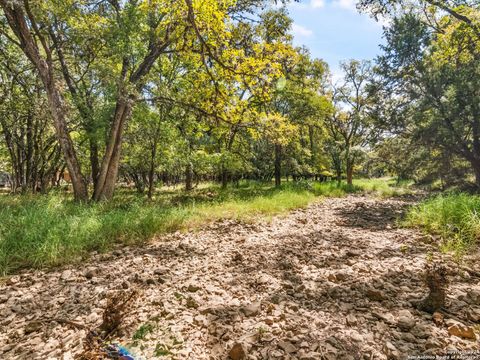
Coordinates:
[50,230]
[455,217]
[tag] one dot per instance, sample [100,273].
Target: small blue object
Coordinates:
[116,351]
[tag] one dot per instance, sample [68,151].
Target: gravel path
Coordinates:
[337,280]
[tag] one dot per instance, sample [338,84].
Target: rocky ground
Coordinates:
[337,280]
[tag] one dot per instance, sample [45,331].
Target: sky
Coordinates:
[335,31]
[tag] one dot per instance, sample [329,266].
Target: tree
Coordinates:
[134,34]
[351,124]
[456,9]
[33,152]
[302,98]
[432,75]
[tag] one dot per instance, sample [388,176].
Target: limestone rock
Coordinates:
[462,331]
[375,295]
[286,346]
[237,352]
[12,280]
[351,320]
[391,351]
[473,296]
[406,321]
[474,315]
[66,275]
[32,327]
[437,318]
[91,272]
[251,309]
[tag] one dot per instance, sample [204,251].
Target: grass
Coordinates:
[455,217]
[49,230]
[384,187]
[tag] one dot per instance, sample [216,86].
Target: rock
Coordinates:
[150,281]
[286,346]
[351,320]
[386,317]
[437,318]
[340,276]
[32,327]
[462,331]
[421,331]
[191,303]
[193,288]
[66,275]
[12,280]
[92,318]
[375,295]
[252,309]
[391,351]
[406,321]
[408,337]
[355,336]
[237,257]
[160,271]
[36,341]
[352,253]
[311,356]
[269,321]
[51,344]
[473,314]
[237,352]
[432,343]
[90,272]
[473,296]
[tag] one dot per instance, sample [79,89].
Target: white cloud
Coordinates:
[346,4]
[301,31]
[317,4]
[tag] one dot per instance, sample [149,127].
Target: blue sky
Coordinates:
[334,31]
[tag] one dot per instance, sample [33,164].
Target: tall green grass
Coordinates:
[48,230]
[384,187]
[454,217]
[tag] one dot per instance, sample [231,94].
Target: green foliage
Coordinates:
[143,331]
[454,217]
[161,350]
[427,94]
[384,187]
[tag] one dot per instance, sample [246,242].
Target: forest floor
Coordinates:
[336,280]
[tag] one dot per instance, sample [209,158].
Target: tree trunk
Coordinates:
[311,137]
[349,173]
[94,162]
[224,176]
[151,172]
[278,165]
[188,177]
[476,170]
[58,110]
[111,160]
